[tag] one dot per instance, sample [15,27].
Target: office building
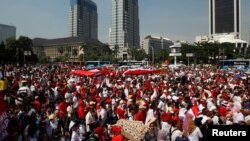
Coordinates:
[225,18]
[83,19]
[225,23]
[7,31]
[125,25]
[201,39]
[154,43]
[49,47]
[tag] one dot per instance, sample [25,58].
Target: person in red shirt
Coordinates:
[223,110]
[80,112]
[120,110]
[141,114]
[37,104]
[62,109]
[116,131]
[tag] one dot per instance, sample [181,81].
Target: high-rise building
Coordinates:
[7,31]
[225,18]
[125,25]
[83,19]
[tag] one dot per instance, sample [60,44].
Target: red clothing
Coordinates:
[99,132]
[37,105]
[62,109]
[80,112]
[195,110]
[166,117]
[139,116]
[121,113]
[117,138]
[222,111]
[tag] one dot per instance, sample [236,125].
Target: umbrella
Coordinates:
[133,130]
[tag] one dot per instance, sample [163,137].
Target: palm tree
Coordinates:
[116,50]
[74,52]
[68,51]
[60,50]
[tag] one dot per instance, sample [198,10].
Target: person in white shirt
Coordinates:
[174,131]
[90,121]
[194,131]
[75,134]
[103,114]
[150,113]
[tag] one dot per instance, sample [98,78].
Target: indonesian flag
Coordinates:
[4,121]
[193,111]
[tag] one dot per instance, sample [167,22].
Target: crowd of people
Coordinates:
[49,103]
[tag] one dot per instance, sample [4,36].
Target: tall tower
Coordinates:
[225,18]
[83,19]
[125,24]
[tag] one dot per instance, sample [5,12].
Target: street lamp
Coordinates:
[234,53]
[26,53]
[153,55]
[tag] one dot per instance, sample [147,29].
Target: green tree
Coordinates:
[91,52]
[68,52]
[2,52]
[60,50]
[18,48]
[116,51]
[11,47]
[132,52]
[25,43]
[80,57]
[75,52]
[2,46]
[140,55]
[106,53]
[248,52]
[161,55]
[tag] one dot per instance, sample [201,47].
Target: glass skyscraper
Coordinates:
[83,19]
[125,24]
[224,17]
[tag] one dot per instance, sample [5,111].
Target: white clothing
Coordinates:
[126,93]
[154,95]
[78,88]
[176,133]
[68,97]
[75,136]
[165,126]
[215,120]
[54,124]
[103,114]
[237,117]
[89,120]
[195,135]
[182,113]
[161,106]
[82,131]
[150,115]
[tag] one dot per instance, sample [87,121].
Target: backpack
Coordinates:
[171,132]
[182,138]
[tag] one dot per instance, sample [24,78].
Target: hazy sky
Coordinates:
[175,19]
